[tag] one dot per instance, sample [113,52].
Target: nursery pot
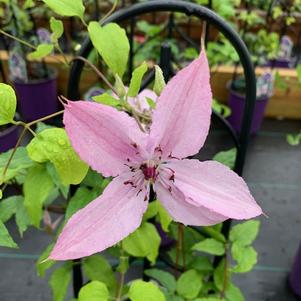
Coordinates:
[9,137]
[237,102]
[295,274]
[282,63]
[37,98]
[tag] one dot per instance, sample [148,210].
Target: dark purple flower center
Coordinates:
[149,172]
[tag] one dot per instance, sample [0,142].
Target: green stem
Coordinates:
[59,49]
[99,73]
[122,275]
[18,40]
[45,118]
[24,125]
[109,12]
[84,22]
[226,280]
[12,155]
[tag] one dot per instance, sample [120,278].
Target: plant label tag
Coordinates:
[265,85]
[17,66]
[44,36]
[286,48]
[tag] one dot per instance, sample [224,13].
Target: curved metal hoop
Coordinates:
[210,17]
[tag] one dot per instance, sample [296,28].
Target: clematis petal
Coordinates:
[181,211]
[181,119]
[102,136]
[103,222]
[213,185]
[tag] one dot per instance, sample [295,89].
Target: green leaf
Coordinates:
[136,80]
[174,298]
[36,188]
[95,181]
[81,198]
[226,157]
[280,82]
[214,233]
[94,291]
[210,246]
[159,84]
[8,104]
[293,140]
[19,162]
[245,233]
[54,145]
[164,217]
[208,299]
[97,268]
[59,281]
[64,189]
[220,108]
[201,264]
[41,51]
[22,217]
[28,4]
[119,86]
[42,265]
[57,29]
[166,279]
[67,8]
[144,242]
[150,102]
[1,194]
[8,207]
[124,264]
[107,99]
[189,284]
[5,238]
[245,256]
[151,211]
[219,274]
[233,293]
[112,44]
[146,291]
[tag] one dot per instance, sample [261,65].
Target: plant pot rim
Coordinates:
[53,76]
[261,98]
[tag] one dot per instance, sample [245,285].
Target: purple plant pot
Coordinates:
[37,98]
[9,138]
[295,274]
[282,63]
[237,102]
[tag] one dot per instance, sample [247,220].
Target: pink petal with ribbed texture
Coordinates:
[181,119]
[213,185]
[102,136]
[181,211]
[103,222]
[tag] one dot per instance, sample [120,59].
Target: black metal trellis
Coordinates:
[190,9]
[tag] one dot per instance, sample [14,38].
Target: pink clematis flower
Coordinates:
[193,192]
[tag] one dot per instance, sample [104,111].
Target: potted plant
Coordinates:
[284,13]
[263,46]
[34,81]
